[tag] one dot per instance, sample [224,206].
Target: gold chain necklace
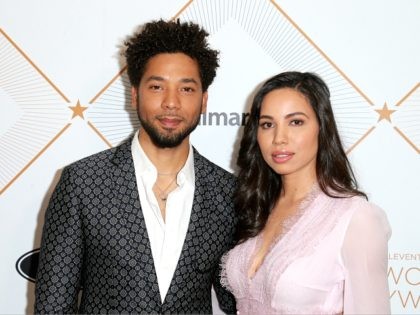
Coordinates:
[163,193]
[167,174]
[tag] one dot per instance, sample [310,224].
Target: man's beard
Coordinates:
[167,141]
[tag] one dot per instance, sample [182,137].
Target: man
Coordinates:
[141,227]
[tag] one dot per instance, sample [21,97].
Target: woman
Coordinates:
[309,241]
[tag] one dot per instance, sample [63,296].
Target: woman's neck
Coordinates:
[296,189]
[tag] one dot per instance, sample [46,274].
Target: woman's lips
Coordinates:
[282,157]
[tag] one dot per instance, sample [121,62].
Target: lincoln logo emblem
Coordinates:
[27,265]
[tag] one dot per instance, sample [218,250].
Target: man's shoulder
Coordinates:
[102,158]
[203,164]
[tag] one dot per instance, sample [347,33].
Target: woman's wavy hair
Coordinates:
[258,185]
[159,36]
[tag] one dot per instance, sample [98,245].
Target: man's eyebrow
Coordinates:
[189,80]
[154,78]
[159,78]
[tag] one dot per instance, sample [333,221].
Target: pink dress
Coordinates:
[330,259]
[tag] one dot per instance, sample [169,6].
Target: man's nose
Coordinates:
[171,100]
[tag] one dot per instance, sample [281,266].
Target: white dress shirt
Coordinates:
[166,237]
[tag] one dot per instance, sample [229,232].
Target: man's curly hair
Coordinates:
[159,36]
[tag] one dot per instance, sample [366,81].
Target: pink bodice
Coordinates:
[311,264]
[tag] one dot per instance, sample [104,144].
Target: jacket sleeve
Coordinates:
[364,253]
[61,255]
[226,300]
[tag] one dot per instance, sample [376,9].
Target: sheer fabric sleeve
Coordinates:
[365,259]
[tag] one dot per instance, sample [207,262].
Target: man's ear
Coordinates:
[134,97]
[204,102]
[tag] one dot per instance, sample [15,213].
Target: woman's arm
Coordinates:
[365,258]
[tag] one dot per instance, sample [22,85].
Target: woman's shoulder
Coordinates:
[357,203]
[358,211]
[368,216]
[366,209]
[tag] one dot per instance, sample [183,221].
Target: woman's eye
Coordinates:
[266,125]
[296,122]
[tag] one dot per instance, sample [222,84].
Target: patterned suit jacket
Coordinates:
[95,238]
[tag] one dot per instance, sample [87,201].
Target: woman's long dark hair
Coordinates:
[258,185]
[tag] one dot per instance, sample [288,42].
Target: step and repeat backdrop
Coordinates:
[64,94]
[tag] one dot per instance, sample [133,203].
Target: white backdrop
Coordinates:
[58,57]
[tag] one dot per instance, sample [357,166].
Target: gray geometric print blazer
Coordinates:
[95,238]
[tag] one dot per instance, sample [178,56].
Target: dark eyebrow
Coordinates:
[189,80]
[286,117]
[265,117]
[161,79]
[154,78]
[295,114]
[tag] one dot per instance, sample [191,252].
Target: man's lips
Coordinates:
[169,122]
[282,157]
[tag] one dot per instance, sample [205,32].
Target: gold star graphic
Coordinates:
[384,113]
[78,110]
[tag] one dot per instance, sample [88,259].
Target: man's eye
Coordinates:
[155,87]
[187,89]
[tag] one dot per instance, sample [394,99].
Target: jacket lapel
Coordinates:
[127,200]
[187,262]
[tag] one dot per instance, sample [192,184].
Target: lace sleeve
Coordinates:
[364,253]
[223,274]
